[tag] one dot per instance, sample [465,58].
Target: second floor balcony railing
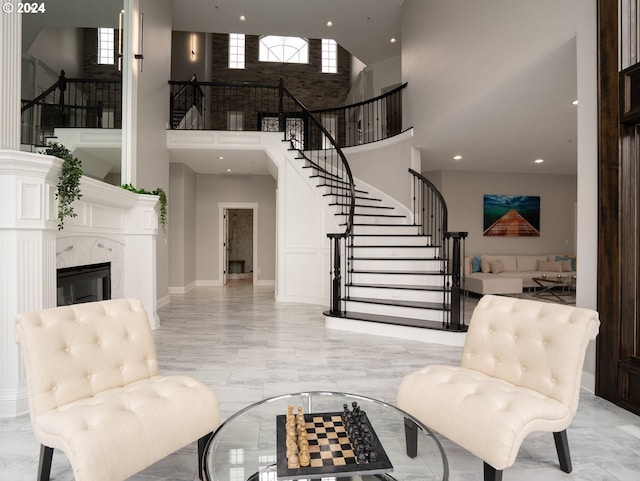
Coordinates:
[72,103]
[260,107]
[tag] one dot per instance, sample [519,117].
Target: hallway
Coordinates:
[247,347]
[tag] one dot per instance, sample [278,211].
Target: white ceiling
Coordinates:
[530,116]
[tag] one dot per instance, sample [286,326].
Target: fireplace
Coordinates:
[84,284]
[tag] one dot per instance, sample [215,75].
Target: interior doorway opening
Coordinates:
[238,256]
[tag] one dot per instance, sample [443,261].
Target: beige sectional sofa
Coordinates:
[510,274]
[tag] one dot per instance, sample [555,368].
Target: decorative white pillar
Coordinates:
[27,257]
[10,68]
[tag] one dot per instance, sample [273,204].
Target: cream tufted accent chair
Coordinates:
[521,368]
[95,392]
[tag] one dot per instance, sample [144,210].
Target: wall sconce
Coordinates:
[194,42]
[120,15]
[140,56]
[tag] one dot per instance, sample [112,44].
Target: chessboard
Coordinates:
[331,449]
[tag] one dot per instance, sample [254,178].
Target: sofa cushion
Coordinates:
[475,264]
[508,262]
[550,266]
[528,263]
[497,267]
[566,266]
[485,266]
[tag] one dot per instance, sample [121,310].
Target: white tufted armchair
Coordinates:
[95,392]
[521,367]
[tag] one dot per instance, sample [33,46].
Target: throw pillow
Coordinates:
[497,267]
[567,258]
[566,266]
[475,264]
[485,266]
[550,266]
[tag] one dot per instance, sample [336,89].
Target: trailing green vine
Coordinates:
[162,212]
[68,182]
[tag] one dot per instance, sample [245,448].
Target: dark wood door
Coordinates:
[618,348]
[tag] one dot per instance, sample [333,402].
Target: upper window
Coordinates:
[284,49]
[329,56]
[236,50]
[106,46]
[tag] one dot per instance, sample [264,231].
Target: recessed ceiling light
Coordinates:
[457,157]
[242,18]
[392,40]
[538,161]
[221,158]
[228,170]
[329,23]
[575,102]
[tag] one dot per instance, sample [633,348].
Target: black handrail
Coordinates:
[424,207]
[71,102]
[359,123]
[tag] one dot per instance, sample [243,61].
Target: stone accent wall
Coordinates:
[313,88]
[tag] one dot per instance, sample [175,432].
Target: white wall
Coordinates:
[182,227]
[59,49]
[213,189]
[464,193]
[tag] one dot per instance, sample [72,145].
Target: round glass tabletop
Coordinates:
[245,446]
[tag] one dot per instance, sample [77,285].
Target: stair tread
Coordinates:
[404,287]
[353,258]
[393,246]
[403,272]
[344,204]
[396,320]
[374,199]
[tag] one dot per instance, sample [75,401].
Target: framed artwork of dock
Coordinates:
[511,215]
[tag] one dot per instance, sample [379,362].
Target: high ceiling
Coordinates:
[528,116]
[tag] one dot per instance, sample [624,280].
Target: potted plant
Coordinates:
[162,212]
[68,187]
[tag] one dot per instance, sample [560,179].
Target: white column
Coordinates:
[10,68]
[130,71]
[141,228]
[27,258]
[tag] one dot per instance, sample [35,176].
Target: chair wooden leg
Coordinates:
[411,437]
[44,465]
[491,473]
[562,448]
[202,445]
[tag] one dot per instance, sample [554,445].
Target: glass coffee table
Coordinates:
[245,447]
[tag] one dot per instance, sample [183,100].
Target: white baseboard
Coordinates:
[182,290]
[163,301]
[13,402]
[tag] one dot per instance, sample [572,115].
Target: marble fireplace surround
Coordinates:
[112,225]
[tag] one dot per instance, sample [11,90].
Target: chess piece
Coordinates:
[292,447]
[293,462]
[291,431]
[305,458]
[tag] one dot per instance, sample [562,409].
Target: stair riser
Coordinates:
[396,265]
[391,252]
[414,240]
[360,210]
[396,294]
[378,219]
[397,279]
[386,229]
[331,199]
[383,310]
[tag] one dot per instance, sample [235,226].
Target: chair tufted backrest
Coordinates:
[74,352]
[533,344]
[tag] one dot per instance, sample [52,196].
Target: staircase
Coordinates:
[394,274]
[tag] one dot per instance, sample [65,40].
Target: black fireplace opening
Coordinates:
[86,283]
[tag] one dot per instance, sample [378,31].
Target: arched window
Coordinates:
[274,48]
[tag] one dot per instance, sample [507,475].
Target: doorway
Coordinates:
[238,241]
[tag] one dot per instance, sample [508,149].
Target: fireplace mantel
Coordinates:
[112,225]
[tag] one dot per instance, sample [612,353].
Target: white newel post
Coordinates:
[27,258]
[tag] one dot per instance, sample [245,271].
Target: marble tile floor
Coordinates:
[247,347]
